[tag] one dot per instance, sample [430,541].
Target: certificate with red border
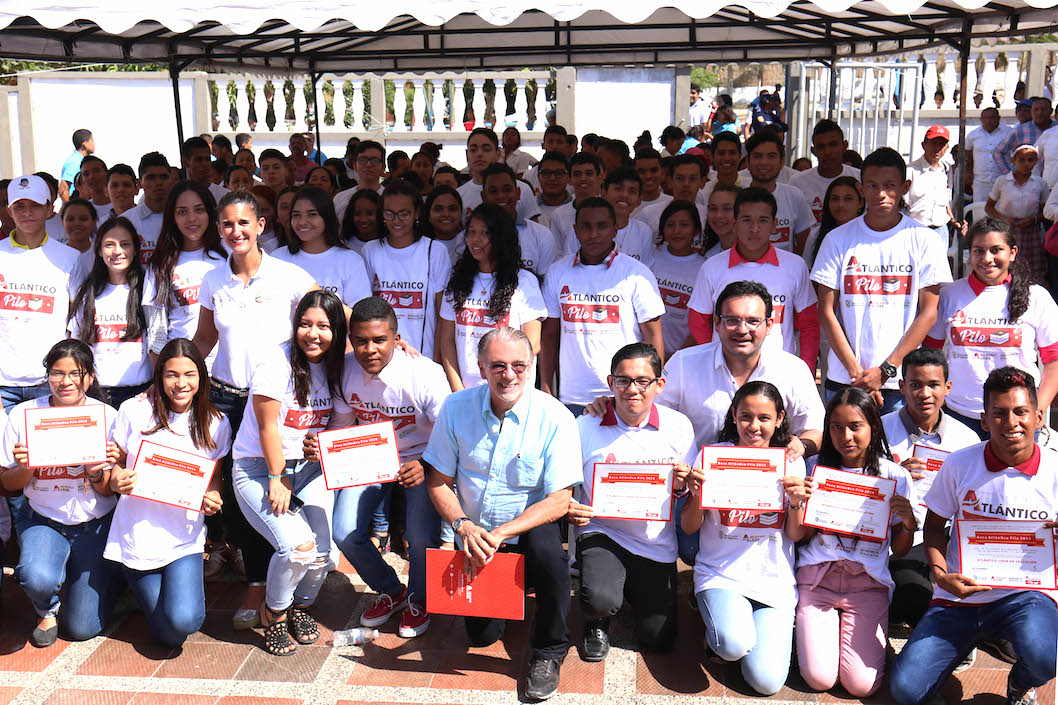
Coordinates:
[60,436]
[742,478]
[496,590]
[171,476]
[934,458]
[1007,554]
[850,503]
[640,491]
[365,454]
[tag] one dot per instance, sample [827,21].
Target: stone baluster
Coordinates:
[929,82]
[540,105]
[986,82]
[300,106]
[436,104]
[418,105]
[971,82]
[521,104]
[357,105]
[260,104]
[400,106]
[242,106]
[459,105]
[479,102]
[1011,78]
[950,83]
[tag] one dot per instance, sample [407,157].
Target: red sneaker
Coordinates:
[414,621]
[385,607]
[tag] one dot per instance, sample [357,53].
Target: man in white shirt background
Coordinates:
[981,143]
[154,179]
[699,114]
[483,149]
[931,176]
[554,190]
[195,157]
[647,164]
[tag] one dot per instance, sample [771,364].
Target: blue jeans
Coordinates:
[686,544]
[1028,619]
[120,395]
[10,396]
[380,519]
[172,597]
[892,399]
[55,555]
[740,629]
[294,575]
[353,509]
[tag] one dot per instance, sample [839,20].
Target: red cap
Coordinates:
[938,131]
[696,152]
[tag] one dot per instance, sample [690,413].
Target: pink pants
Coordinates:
[842,627]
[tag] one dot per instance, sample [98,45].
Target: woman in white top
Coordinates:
[718,232]
[160,545]
[676,265]
[107,313]
[282,495]
[488,289]
[363,220]
[317,247]
[444,219]
[65,516]
[79,221]
[744,570]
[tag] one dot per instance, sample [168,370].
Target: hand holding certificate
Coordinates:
[850,503]
[743,478]
[359,455]
[60,436]
[1007,554]
[170,476]
[632,491]
[933,458]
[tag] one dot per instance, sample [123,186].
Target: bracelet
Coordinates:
[681,492]
[94,478]
[276,477]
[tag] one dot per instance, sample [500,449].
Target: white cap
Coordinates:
[30,187]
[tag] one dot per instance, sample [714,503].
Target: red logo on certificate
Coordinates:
[361,442]
[65,422]
[174,464]
[497,590]
[831,485]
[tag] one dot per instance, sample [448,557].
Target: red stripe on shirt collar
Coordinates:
[610,417]
[978,286]
[1030,467]
[608,261]
[769,257]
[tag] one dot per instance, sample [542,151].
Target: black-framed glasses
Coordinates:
[641,383]
[369,161]
[403,216]
[734,322]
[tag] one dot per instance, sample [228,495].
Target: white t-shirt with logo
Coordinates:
[814,186]
[272,379]
[408,391]
[792,215]
[873,555]
[119,363]
[676,281]
[748,552]
[471,195]
[148,225]
[36,287]
[671,441]
[146,535]
[251,319]
[562,220]
[538,247]
[652,215]
[966,489]
[789,286]
[338,270]
[191,268]
[877,276]
[634,240]
[57,493]
[410,279]
[600,308]
[473,321]
[979,337]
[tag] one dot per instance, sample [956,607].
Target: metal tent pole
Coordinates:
[316,112]
[960,171]
[174,76]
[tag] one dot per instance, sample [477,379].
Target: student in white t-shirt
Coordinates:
[585,176]
[1007,478]
[317,247]
[879,281]
[79,222]
[744,571]
[77,498]
[160,545]
[688,177]
[626,559]
[408,270]
[850,575]
[499,187]
[647,163]
[995,317]
[597,301]
[107,312]
[293,394]
[621,188]
[842,202]
[676,265]
[488,289]
[718,231]
[444,219]
[828,146]
[363,220]
[483,151]
[764,154]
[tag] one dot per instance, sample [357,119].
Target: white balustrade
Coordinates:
[436,104]
[242,106]
[459,105]
[1011,78]
[479,102]
[319,105]
[929,81]
[418,105]
[521,104]
[540,105]
[357,106]
[986,82]
[400,106]
[950,84]
[260,105]
[971,82]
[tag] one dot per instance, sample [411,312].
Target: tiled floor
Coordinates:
[219,666]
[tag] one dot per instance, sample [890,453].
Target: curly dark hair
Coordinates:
[782,436]
[506,261]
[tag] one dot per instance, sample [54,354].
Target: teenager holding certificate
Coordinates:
[160,546]
[630,558]
[843,582]
[281,494]
[63,523]
[744,572]
[1007,478]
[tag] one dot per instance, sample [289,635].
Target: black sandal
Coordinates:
[302,626]
[276,635]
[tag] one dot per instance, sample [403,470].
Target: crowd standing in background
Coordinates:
[520,322]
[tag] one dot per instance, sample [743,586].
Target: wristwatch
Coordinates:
[459,522]
[887,369]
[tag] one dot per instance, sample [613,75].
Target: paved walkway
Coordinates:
[218,666]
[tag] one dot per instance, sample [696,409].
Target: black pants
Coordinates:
[547,569]
[610,574]
[914,590]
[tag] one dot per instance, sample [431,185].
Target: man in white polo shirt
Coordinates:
[765,153]
[828,146]
[688,177]
[981,144]
[597,301]
[647,164]
[1008,478]
[929,197]
[146,216]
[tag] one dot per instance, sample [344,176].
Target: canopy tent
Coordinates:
[367,35]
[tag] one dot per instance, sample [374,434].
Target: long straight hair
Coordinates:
[97,281]
[878,447]
[171,241]
[333,359]
[826,221]
[202,410]
[323,205]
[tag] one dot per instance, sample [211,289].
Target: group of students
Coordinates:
[370,305]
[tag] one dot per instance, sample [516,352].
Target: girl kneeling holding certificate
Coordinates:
[843,581]
[744,571]
[65,515]
[283,496]
[160,545]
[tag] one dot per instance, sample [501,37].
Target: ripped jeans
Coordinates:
[295,575]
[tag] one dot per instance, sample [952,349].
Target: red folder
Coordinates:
[498,589]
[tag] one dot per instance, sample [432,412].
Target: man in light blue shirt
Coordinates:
[84,143]
[503,462]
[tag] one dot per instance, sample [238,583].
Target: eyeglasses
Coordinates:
[56,376]
[402,216]
[734,322]
[369,161]
[498,368]
[642,383]
[552,173]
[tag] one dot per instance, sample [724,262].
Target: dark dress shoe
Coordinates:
[42,638]
[542,682]
[596,640]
